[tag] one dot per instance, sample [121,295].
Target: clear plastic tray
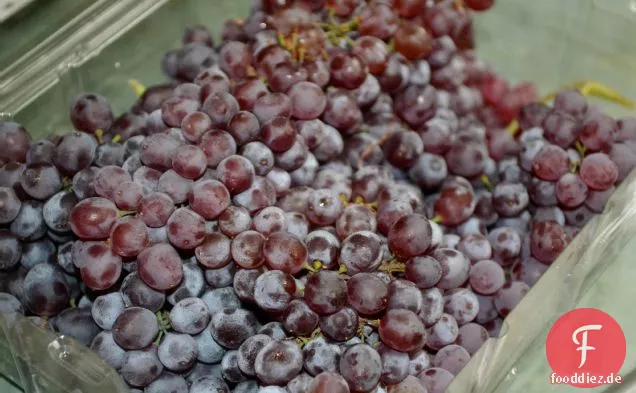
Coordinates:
[104,43]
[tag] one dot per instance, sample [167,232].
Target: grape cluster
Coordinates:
[328,201]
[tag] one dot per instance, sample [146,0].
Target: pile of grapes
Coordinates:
[338,197]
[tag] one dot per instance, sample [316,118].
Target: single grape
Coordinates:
[221,107]
[367,293]
[550,163]
[278,362]
[486,277]
[40,181]
[209,351]
[127,195]
[74,152]
[571,190]
[342,325]
[361,252]
[128,236]
[456,202]
[404,294]
[10,205]
[284,251]
[77,322]
[236,173]
[90,112]
[361,367]
[93,218]
[209,383]
[186,229]
[147,178]
[260,156]
[451,358]
[214,252]
[547,240]
[168,383]
[157,150]
[135,292]
[141,368]
[435,379]
[510,199]
[462,304]
[230,369]
[347,70]
[355,218]
[217,146]
[107,349]
[424,271]
[106,308]
[190,316]
[322,246]
[160,267]
[16,140]
[178,352]
[509,296]
[233,326]
[300,320]
[247,249]
[102,267]
[342,113]
[135,328]
[234,59]
[402,330]
[395,365]
[329,382]
[274,290]
[234,220]
[455,267]
[471,337]
[308,101]
[325,292]
[412,41]
[506,245]
[598,171]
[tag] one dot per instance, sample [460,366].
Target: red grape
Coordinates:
[286,252]
[128,236]
[93,218]
[160,267]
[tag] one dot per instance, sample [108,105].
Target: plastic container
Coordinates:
[83,45]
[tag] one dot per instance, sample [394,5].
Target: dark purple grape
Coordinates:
[16,141]
[136,292]
[361,367]
[367,293]
[46,291]
[278,362]
[402,330]
[40,181]
[74,152]
[509,296]
[91,112]
[178,352]
[140,368]
[233,326]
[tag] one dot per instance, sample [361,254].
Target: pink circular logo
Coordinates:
[586,348]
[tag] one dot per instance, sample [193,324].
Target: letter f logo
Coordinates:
[584,347]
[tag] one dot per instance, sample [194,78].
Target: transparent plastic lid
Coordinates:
[47,36]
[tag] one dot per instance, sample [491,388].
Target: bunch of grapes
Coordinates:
[328,201]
